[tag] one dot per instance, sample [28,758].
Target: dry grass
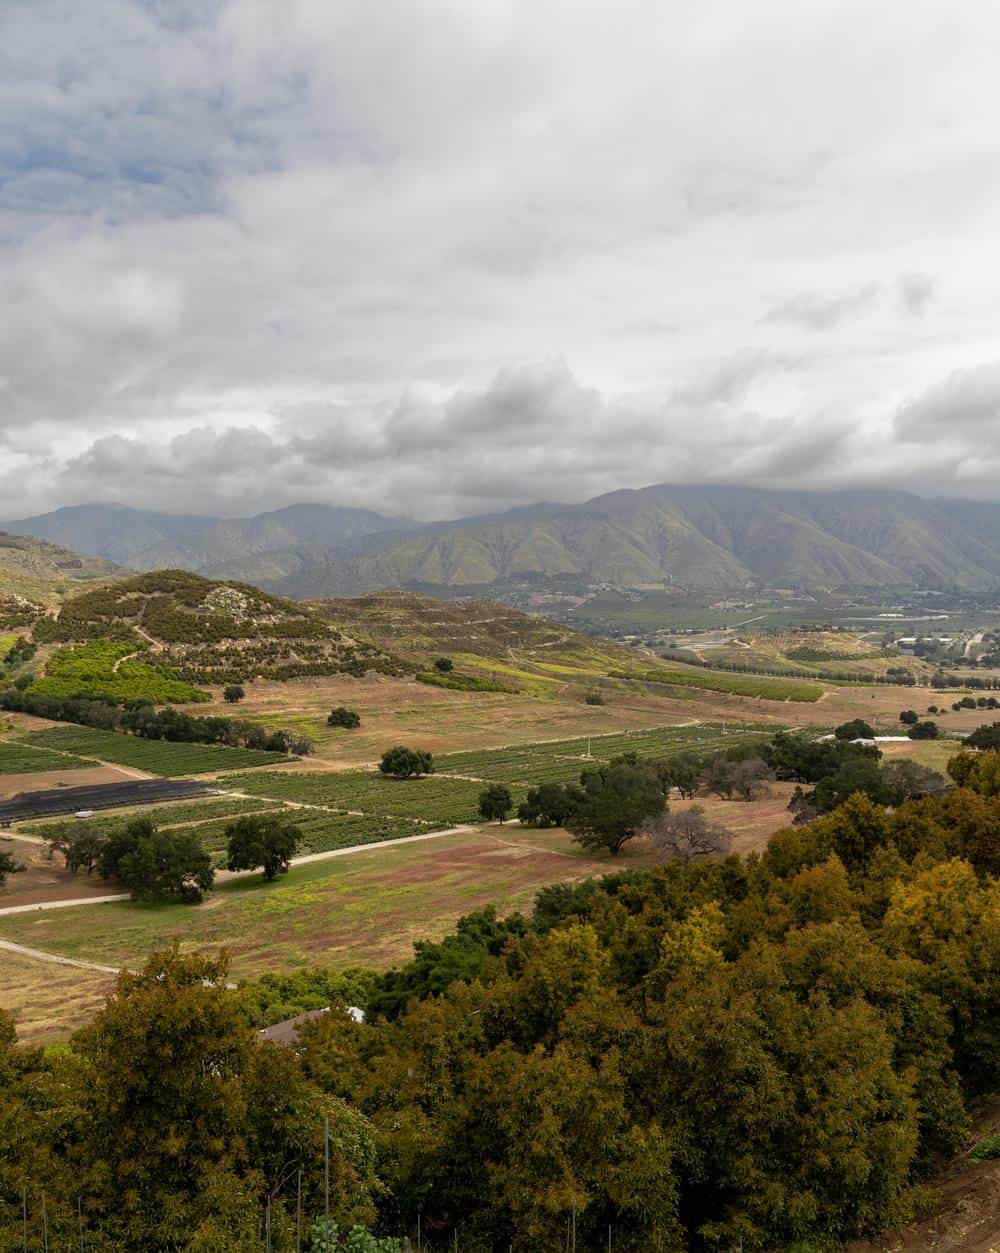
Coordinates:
[48,1001]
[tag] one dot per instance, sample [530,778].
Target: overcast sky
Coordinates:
[447,258]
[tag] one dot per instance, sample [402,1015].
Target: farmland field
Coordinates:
[561,761]
[365,909]
[761,687]
[432,799]
[160,815]
[17,758]
[161,757]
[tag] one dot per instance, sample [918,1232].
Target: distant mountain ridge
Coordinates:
[705,539]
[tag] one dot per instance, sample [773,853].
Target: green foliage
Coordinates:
[275,997]
[406,763]
[495,803]
[8,866]
[18,758]
[613,806]
[265,840]
[548,805]
[160,757]
[326,1237]
[738,685]
[856,729]
[924,731]
[341,717]
[463,682]
[444,664]
[232,693]
[99,670]
[594,698]
[987,1150]
[909,717]
[156,864]
[985,737]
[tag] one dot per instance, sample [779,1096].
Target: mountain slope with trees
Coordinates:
[707,539]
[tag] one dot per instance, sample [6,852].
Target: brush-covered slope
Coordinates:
[44,573]
[702,539]
[211,631]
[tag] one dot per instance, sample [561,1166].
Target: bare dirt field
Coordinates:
[40,780]
[751,823]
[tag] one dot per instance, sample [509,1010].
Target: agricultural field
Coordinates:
[17,758]
[105,670]
[184,813]
[561,761]
[162,757]
[363,909]
[760,687]
[431,799]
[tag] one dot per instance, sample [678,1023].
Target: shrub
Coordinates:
[856,729]
[341,717]
[910,717]
[405,763]
[594,698]
[985,737]
[233,693]
[988,1149]
[925,731]
[444,664]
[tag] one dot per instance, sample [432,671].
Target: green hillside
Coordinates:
[35,574]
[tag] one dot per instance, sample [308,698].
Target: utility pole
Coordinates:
[326,1177]
[298,1214]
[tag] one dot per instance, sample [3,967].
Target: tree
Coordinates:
[984,737]
[856,729]
[8,866]
[444,664]
[233,693]
[341,717]
[154,863]
[81,846]
[548,805]
[404,763]
[614,805]
[265,840]
[684,773]
[749,778]
[908,717]
[859,775]
[908,780]
[924,731]
[689,835]
[495,803]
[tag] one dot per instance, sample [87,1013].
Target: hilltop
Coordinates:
[35,575]
[687,538]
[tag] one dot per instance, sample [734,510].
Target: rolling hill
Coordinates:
[44,573]
[699,539]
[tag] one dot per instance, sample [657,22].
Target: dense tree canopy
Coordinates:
[403,763]
[265,840]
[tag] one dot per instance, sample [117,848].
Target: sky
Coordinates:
[441,259]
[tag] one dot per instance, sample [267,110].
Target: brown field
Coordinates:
[40,780]
[751,823]
[44,879]
[49,1001]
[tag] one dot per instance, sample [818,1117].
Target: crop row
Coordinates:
[89,670]
[561,761]
[19,759]
[160,757]
[432,799]
[160,815]
[736,685]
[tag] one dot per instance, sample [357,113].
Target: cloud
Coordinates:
[964,407]
[446,257]
[814,312]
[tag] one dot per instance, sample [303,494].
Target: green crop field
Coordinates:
[322,832]
[734,684]
[161,757]
[90,670]
[199,811]
[431,799]
[561,761]
[16,758]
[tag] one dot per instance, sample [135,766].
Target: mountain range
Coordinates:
[700,539]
